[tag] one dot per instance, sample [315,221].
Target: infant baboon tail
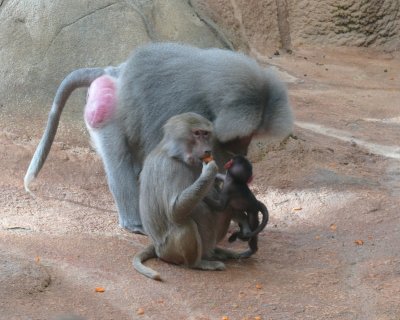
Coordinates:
[140,257]
[264,221]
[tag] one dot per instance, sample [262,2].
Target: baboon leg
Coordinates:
[246,254]
[182,245]
[225,254]
[253,244]
[122,173]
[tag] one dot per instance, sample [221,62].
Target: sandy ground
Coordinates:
[330,251]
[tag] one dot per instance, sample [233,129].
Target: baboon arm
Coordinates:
[218,204]
[213,204]
[188,199]
[184,202]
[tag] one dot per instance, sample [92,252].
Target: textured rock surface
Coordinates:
[267,25]
[347,22]
[42,41]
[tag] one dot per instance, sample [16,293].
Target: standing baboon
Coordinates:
[174,181]
[158,81]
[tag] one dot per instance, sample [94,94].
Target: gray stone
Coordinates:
[41,41]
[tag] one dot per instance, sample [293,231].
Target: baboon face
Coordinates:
[188,137]
[240,169]
[201,149]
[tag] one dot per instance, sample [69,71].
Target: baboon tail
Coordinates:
[142,256]
[76,79]
[264,221]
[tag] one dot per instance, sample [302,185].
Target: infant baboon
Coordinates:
[173,183]
[236,194]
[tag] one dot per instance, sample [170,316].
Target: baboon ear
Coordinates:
[237,121]
[228,164]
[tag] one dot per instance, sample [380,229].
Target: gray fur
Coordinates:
[164,79]
[142,256]
[226,87]
[76,79]
[182,228]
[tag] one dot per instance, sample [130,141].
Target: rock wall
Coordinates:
[373,23]
[267,25]
[41,41]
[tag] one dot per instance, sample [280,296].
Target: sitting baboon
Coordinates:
[173,183]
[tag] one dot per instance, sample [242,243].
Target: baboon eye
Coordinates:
[201,133]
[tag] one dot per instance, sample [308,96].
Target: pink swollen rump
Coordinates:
[101,101]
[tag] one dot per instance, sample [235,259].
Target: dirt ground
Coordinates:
[330,251]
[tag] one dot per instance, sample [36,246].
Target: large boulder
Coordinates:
[41,41]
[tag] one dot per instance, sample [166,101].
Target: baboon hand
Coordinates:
[210,168]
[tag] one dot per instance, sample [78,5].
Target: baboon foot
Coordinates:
[210,265]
